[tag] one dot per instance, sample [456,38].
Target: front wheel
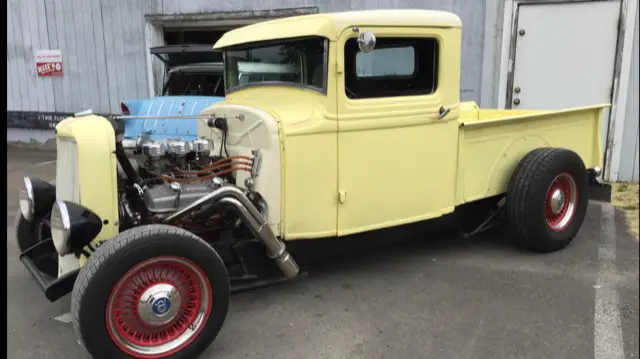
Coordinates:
[151,292]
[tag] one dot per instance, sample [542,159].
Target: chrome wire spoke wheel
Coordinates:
[158,307]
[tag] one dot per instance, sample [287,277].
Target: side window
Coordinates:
[392,61]
[396,67]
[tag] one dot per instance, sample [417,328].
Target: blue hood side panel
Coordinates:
[161,129]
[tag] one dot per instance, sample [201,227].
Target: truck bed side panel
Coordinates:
[490,149]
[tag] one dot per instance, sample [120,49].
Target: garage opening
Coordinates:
[198,72]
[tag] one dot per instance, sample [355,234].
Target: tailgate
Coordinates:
[493,142]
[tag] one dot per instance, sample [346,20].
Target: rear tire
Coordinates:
[28,234]
[154,291]
[547,199]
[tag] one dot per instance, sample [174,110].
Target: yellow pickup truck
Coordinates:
[351,129]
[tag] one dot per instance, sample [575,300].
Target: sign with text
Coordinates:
[49,63]
[35,120]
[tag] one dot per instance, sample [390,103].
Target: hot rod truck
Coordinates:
[358,129]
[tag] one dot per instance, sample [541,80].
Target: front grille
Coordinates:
[67,176]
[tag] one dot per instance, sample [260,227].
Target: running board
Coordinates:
[239,285]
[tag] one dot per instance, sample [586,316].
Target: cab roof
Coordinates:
[330,25]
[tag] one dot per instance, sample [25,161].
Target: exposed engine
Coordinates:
[182,184]
[176,173]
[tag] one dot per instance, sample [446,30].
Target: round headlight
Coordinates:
[25,198]
[60,227]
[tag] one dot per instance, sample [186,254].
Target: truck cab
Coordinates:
[369,122]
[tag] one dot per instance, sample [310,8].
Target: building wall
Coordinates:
[631,138]
[103,54]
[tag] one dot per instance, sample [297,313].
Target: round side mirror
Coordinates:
[366,41]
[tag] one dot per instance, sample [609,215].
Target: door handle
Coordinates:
[442,112]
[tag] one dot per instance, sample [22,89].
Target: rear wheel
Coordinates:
[164,291]
[30,233]
[547,199]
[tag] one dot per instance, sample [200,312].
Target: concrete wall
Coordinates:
[630,141]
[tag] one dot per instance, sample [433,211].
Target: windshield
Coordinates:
[297,62]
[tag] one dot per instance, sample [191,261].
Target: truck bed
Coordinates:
[492,142]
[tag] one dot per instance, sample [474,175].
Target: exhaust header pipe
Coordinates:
[231,196]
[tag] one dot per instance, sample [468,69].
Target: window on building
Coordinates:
[396,67]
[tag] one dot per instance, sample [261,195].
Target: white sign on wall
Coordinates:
[49,63]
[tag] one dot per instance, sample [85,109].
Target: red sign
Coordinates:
[49,63]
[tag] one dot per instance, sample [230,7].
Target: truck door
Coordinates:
[397,157]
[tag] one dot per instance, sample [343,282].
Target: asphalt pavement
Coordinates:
[432,297]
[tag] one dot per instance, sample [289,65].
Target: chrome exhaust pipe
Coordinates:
[276,250]
[234,197]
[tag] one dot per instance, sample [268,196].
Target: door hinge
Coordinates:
[342,196]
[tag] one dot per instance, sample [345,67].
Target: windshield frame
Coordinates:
[254,45]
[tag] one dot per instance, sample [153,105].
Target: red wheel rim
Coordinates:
[560,202]
[158,307]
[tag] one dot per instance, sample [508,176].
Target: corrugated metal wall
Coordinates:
[631,138]
[103,54]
